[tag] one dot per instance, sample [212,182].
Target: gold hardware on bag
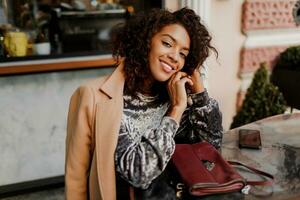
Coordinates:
[179,190]
[179,186]
[179,194]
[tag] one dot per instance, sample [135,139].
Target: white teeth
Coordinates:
[167,66]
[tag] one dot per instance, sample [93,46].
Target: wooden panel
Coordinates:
[57,66]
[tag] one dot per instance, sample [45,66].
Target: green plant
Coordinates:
[263,99]
[289,59]
[41,37]
[32,18]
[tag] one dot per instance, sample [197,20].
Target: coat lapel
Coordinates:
[108,119]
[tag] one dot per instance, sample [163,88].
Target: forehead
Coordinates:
[176,31]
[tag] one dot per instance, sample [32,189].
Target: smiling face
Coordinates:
[169,49]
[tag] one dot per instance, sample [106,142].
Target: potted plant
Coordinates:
[263,99]
[41,44]
[41,23]
[286,75]
[36,23]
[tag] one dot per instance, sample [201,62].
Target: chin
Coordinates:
[162,78]
[159,74]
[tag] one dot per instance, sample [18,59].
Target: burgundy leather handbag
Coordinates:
[204,171]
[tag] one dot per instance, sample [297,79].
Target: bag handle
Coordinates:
[261,183]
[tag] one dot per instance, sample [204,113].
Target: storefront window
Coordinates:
[56,27]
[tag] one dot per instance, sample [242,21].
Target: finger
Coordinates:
[170,81]
[195,71]
[178,77]
[187,80]
[180,85]
[183,73]
[196,74]
[175,78]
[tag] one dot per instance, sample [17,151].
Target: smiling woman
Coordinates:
[122,128]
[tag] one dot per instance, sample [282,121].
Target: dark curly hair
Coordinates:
[133,40]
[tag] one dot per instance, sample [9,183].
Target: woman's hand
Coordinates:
[198,82]
[178,94]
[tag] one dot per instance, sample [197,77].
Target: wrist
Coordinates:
[198,88]
[176,113]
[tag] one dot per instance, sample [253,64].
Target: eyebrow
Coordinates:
[174,40]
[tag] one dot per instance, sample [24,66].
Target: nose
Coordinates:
[174,56]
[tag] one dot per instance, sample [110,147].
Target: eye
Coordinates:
[167,44]
[183,55]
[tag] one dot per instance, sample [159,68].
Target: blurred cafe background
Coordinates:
[64,26]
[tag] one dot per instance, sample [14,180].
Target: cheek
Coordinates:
[157,49]
[152,58]
[181,64]
[154,52]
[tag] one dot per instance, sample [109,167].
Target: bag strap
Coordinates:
[261,173]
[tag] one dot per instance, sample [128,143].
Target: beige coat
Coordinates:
[92,132]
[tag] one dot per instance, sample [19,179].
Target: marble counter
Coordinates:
[279,155]
[33,116]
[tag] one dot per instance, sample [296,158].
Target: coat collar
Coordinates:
[114,84]
[108,120]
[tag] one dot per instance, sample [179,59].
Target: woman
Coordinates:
[122,128]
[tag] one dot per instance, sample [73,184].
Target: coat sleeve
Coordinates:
[79,144]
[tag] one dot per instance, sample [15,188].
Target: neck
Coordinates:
[148,87]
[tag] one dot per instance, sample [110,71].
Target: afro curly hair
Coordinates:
[132,42]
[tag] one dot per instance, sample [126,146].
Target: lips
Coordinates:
[166,67]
